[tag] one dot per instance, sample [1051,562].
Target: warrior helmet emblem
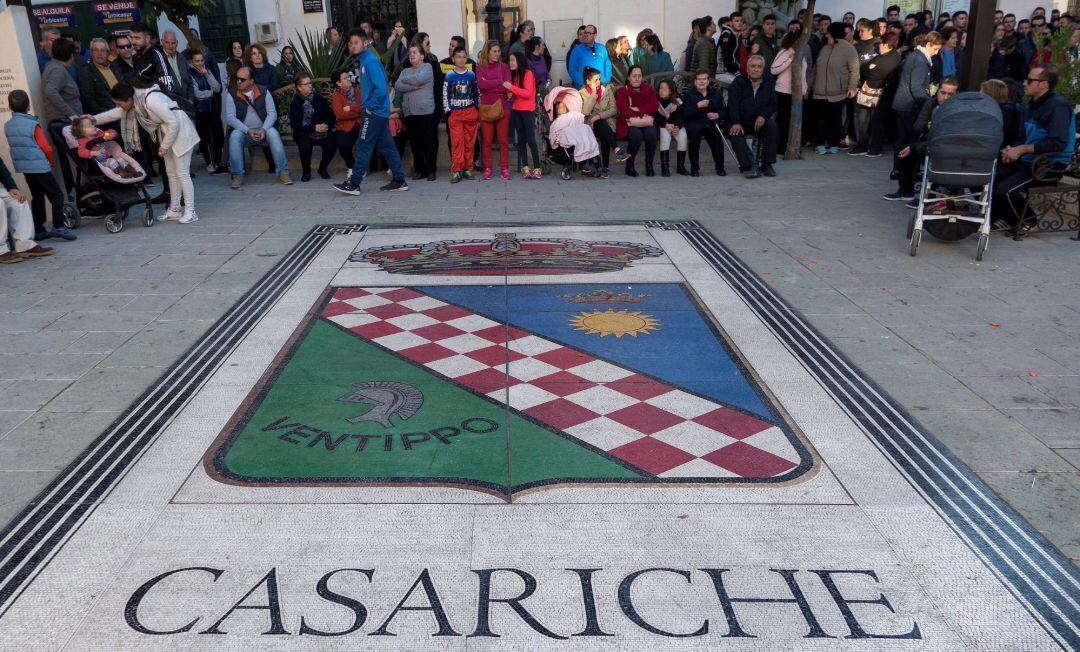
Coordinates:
[387,398]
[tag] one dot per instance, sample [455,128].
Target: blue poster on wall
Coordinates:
[58,16]
[114,13]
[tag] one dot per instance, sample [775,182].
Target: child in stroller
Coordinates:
[571,140]
[100,147]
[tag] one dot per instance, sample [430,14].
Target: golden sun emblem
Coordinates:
[614,323]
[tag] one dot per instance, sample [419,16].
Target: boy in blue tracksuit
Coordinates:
[375,128]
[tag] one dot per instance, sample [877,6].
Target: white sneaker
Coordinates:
[189,217]
[210,169]
[170,215]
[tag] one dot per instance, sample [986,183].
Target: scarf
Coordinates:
[309,111]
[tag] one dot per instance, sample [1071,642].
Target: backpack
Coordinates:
[182,103]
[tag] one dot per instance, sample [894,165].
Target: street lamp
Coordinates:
[493,9]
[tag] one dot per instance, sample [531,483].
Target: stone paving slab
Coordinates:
[969,333]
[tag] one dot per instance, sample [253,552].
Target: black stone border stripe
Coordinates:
[1045,582]
[30,540]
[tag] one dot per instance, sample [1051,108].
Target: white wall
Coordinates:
[290,17]
[18,71]
[441,19]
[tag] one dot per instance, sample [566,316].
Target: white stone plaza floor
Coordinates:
[611,424]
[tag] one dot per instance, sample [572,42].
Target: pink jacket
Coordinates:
[490,79]
[525,96]
[781,69]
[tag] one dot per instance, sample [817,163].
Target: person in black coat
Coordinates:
[312,122]
[93,86]
[1007,61]
[752,106]
[702,112]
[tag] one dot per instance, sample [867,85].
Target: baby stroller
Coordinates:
[958,175]
[99,190]
[563,155]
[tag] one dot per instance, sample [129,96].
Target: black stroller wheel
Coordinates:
[911,225]
[148,217]
[566,174]
[114,223]
[984,241]
[916,238]
[72,219]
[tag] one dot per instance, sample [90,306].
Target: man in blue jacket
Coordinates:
[1050,128]
[375,127]
[589,54]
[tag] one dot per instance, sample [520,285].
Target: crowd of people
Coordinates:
[864,82]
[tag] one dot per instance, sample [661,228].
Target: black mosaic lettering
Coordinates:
[588,599]
[627,605]
[362,440]
[467,424]
[435,606]
[444,433]
[327,440]
[272,607]
[857,630]
[131,610]
[483,609]
[280,425]
[326,593]
[410,438]
[727,602]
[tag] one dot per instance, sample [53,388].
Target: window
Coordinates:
[228,21]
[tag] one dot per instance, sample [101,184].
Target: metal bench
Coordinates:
[1054,200]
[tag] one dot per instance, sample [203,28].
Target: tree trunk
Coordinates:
[794,143]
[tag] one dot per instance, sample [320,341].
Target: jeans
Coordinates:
[375,135]
[606,138]
[43,186]
[306,145]
[637,135]
[239,141]
[178,169]
[523,124]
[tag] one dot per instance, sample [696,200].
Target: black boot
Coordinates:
[305,175]
[665,164]
[649,172]
[680,163]
[630,171]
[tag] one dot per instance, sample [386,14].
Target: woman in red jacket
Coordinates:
[493,76]
[637,102]
[346,104]
[522,86]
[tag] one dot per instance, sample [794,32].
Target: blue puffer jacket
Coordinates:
[914,88]
[26,156]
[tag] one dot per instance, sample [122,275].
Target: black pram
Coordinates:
[958,175]
[97,192]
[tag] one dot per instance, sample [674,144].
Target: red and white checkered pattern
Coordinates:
[649,424]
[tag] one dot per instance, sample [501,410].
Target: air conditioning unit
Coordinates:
[266,32]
